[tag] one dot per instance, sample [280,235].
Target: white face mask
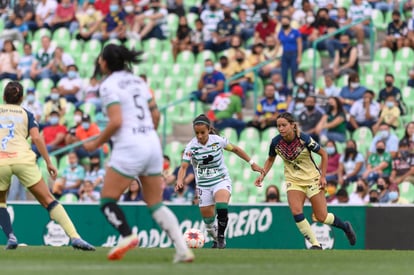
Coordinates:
[90,11]
[354,85]
[77,118]
[129,9]
[300,80]
[310,19]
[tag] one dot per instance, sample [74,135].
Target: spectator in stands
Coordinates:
[360,195]
[310,117]
[302,85]
[226,110]
[167,170]
[297,104]
[95,173]
[25,10]
[72,178]
[364,112]
[324,25]
[329,89]
[9,60]
[60,64]
[359,10]
[266,27]
[379,164]
[270,51]
[71,86]
[85,130]
[74,124]
[53,134]
[397,33]
[342,18]
[225,66]
[32,104]
[346,58]
[26,62]
[64,16]
[239,65]
[197,37]
[291,42]
[211,16]
[246,26]
[257,56]
[300,14]
[91,92]
[103,6]
[390,114]
[351,164]
[211,83]
[267,110]
[332,170]
[89,22]
[4,13]
[390,139]
[113,24]
[55,103]
[331,188]
[176,7]
[391,89]
[333,123]
[87,193]
[226,27]
[373,196]
[272,194]
[182,40]
[189,178]
[18,32]
[306,28]
[182,195]
[44,56]
[403,164]
[153,22]
[342,196]
[352,92]
[383,186]
[409,136]
[134,192]
[236,44]
[45,11]
[282,93]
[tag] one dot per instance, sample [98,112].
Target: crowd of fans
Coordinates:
[240,35]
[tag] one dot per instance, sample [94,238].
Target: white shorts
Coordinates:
[206,194]
[132,161]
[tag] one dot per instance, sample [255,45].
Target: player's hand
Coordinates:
[178,185]
[90,146]
[257,168]
[52,171]
[259,180]
[322,183]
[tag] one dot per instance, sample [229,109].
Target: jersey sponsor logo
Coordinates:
[207,173]
[207,159]
[9,136]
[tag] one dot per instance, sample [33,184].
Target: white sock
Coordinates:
[169,223]
[211,229]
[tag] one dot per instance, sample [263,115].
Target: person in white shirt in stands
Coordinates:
[364,112]
[329,89]
[360,195]
[211,16]
[26,62]
[357,11]
[71,86]
[45,11]
[33,105]
[156,22]
[60,63]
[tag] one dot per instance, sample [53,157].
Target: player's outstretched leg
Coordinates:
[332,219]
[212,230]
[58,214]
[222,217]
[304,228]
[7,227]
[116,217]
[169,223]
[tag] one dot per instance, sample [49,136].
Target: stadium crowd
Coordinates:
[360,112]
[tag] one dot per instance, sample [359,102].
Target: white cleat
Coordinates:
[187,257]
[123,247]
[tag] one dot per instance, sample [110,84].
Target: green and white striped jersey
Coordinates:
[207,160]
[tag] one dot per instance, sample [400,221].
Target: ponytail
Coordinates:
[13,93]
[119,58]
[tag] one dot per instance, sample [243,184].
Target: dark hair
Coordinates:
[352,76]
[199,20]
[11,42]
[334,144]
[119,57]
[166,157]
[277,195]
[339,106]
[144,77]
[406,136]
[208,60]
[27,44]
[13,93]
[389,75]
[342,193]
[203,120]
[347,155]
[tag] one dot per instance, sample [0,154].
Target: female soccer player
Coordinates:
[205,152]
[303,178]
[133,119]
[17,158]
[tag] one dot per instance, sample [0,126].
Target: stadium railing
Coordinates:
[339,31]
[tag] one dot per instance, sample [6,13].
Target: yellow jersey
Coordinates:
[15,124]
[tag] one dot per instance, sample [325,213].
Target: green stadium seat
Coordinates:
[385,57]
[19,46]
[87,60]
[405,56]
[191,18]
[363,137]
[92,47]
[90,109]
[27,83]
[371,81]
[269,134]
[112,41]
[407,94]
[172,20]
[35,45]
[230,134]
[378,20]
[63,163]
[152,45]
[43,88]
[40,33]
[206,54]
[165,58]
[74,48]
[376,69]
[133,44]
[70,109]
[174,150]
[399,70]
[62,37]
[186,58]
[307,59]
[250,134]
[407,191]
[240,193]
[168,126]
[189,83]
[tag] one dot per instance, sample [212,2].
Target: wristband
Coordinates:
[251,162]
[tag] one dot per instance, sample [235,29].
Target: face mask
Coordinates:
[301,96]
[330,150]
[373,199]
[393,195]
[331,190]
[354,85]
[31,98]
[405,154]
[300,80]
[113,8]
[380,187]
[271,47]
[95,164]
[350,150]
[265,17]
[77,118]
[278,85]
[271,196]
[129,9]
[345,45]
[54,97]
[54,120]
[165,165]
[383,134]
[380,151]
[389,104]
[72,74]
[213,8]
[310,108]
[329,108]
[227,15]
[360,188]
[396,21]
[85,125]
[240,60]
[209,69]
[310,19]
[90,11]
[388,83]
[299,106]
[74,165]
[285,26]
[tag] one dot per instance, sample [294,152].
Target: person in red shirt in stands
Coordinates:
[84,131]
[103,6]
[266,27]
[65,16]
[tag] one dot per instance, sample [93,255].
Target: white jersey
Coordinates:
[358,12]
[133,94]
[207,160]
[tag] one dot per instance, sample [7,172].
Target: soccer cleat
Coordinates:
[187,257]
[316,247]
[78,243]
[350,233]
[215,245]
[221,243]
[11,243]
[123,247]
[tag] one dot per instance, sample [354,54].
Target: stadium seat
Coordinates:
[206,54]
[43,88]
[189,83]
[90,109]
[269,134]
[378,20]
[74,48]
[62,37]
[399,70]
[165,58]
[407,191]
[27,83]
[376,69]
[112,41]
[172,20]
[173,150]
[186,58]
[93,47]
[40,33]
[407,94]
[240,192]
[230,134]
[363,138]
[35,45]
[133,44]
[405,56]
[191,18]
[250,134]
[152,45]
[385,57]
[307,59]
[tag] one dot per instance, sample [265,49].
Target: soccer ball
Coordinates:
[194,238]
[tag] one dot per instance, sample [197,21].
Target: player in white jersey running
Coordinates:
[133,119]
[205,152]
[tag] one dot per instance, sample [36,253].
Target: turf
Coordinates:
[145,261]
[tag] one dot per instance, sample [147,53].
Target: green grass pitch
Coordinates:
[146,261]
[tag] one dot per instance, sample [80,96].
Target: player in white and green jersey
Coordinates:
[205,152]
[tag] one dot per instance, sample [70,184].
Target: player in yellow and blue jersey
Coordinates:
[17,158]
[303,177]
